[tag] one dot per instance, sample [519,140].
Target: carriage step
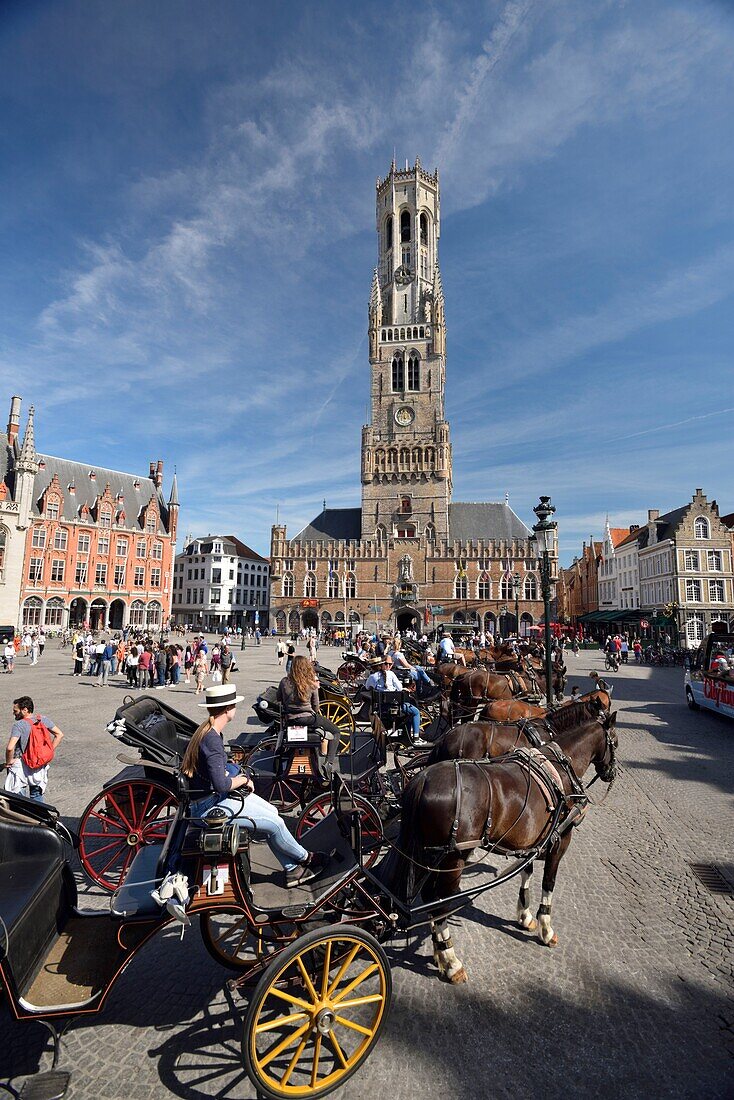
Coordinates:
[395,780]
[46,1086]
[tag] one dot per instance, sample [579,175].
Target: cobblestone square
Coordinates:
[635,1001]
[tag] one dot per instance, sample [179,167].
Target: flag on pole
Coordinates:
[507,575]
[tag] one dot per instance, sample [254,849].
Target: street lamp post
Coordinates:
[516,582]
[544,531]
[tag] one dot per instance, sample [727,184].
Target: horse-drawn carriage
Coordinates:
[315,951]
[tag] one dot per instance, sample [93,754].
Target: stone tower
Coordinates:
[406,448]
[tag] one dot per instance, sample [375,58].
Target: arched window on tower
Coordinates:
[424,230]
[388,234]
[430,533]
[398,374]
[405,225]
[414,372]
[406,506]
[380,532]
[405,531]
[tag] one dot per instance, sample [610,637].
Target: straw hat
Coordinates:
[219,696]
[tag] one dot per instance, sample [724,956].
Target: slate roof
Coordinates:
[231,546]
[87,489]
[489,520]
[333,523]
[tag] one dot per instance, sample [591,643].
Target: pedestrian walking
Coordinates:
[188,662]
[199,672]
[33,651]
[290,654]
[41,643]
[9,656]
[225,663]
[105,663]
[280,650]
[78,657]
[29,734]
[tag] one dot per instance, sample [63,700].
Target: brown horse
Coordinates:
[468,691]
[509,805]
[512,710]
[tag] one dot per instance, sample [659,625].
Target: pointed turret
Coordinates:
[437,285]
[375,296]
[27,456]
[173,498]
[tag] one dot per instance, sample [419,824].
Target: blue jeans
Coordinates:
[269,825]
[415,714]
[175,673]
[420,676]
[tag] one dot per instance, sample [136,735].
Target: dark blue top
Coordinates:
[211,766]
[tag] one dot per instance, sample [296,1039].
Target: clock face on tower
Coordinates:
[404,416]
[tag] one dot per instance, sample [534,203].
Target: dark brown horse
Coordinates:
[454,806]
[512,710]
[475,686]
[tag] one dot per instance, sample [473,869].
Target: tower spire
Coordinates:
[28,448]
[375,293]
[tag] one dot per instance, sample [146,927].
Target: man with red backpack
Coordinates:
[34,739]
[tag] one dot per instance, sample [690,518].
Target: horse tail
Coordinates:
[398,871]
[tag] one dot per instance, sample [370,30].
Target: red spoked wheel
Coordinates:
[117,823]
[350,672]
[371,824]
[273,783]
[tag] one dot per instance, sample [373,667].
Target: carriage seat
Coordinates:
[388,706]
[37,894]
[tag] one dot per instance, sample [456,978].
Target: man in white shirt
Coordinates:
[386,680]
[447,651]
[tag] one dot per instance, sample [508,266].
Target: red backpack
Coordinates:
[40,748]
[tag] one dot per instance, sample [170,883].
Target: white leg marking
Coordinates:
[545,931]
[524,914]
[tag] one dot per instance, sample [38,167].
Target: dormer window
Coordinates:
[52,509]
[105,517]
[151,523]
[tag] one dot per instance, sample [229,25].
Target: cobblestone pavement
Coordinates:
[635,1001]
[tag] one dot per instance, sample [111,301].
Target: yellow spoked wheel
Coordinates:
[340,714]
[316,1014]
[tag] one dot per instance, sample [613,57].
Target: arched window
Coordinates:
[430,533]
[414,372]
[421,332]
[424,229]
[351,590]
[484,587]
[333,586]
[392,458]
[3,535]
[458,617]
[105,517]
[280,622]
[490,624]
[526,621]
[54,612]
[405,225]
[153,614]
[405,531]
[288,586]
[309,587]
[294,622]
[506,592]
[325,620]
[530,589]
[137,613]
[388,234]
[701,528]
[398,374]
[380,532]
[32,611]
[460,588]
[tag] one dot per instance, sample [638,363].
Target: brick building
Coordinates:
[409,555]
[97,545]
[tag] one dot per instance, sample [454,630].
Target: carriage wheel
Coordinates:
[349,672]
[118,823]
[369,820]
[340,714]
[232,941]
[316,1014]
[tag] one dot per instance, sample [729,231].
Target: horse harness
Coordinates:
[566,810]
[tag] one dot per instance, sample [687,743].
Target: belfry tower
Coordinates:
[406,449]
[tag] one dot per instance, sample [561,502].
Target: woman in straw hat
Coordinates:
[215,782]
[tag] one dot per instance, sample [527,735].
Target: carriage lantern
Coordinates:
[544,531]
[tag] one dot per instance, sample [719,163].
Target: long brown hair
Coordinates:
[191,756]
[303,676]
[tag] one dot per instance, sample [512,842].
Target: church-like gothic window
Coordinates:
[388,234]
[309,588]
[484,587]
[506,592]
[414,373]
[398,374]
[530,591]
[430,533]
[351,588]
[405,225]
[380,532]
[460,588]
[424,229]
[288,588]
[333,590]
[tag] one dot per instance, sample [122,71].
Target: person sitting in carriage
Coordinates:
[215,782]
[298,695]
[386,680]
[447,651]
[425,687]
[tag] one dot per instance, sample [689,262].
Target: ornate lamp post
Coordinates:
[516,582]
[544,531]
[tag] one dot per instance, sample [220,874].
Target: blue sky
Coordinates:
[187,240]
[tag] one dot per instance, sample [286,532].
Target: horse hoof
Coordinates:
[532,927]
[552,942]
[459,977]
